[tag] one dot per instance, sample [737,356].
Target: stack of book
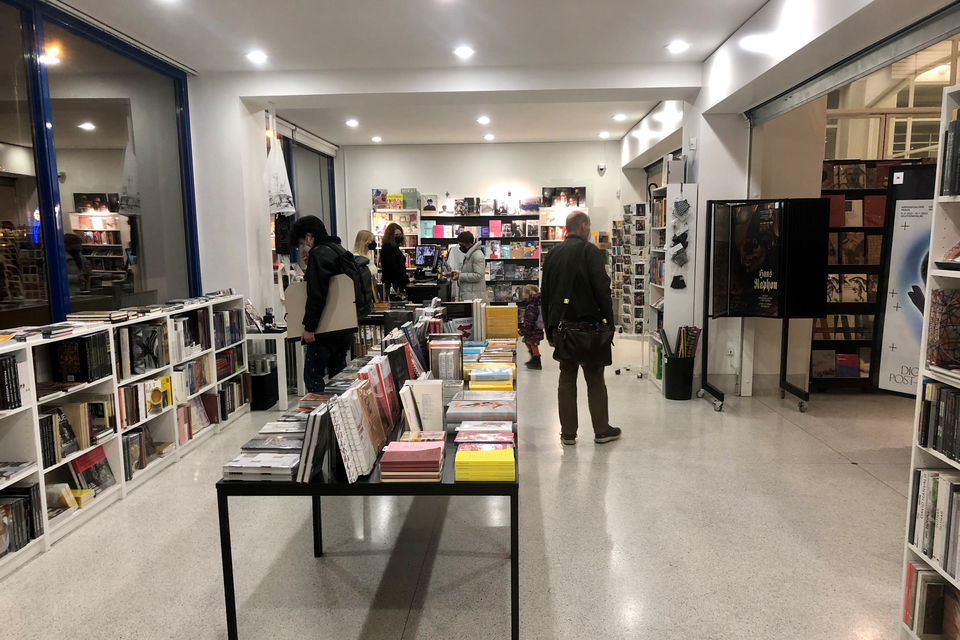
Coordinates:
[935,517]
[358,429]
[273,443]
[191,335]
[498,406]
[139,450]
[84,359]
[10,382]
[233,395]
[98,316]
[82,424]
[192,418]
[412,462]
[227,329]
[229,362]
[271,467]
[485,462]
[92,471]
[189,378]
[931,606]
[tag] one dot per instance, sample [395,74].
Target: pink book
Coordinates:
[495,228]
[479,446]
[413,446]
[438,231]
[483,437]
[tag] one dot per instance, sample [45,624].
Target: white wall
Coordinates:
[480,170]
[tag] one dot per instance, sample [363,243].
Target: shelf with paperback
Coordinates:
[673,221]
[931,547]
[71,447]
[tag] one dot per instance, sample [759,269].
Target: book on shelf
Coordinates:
[141,348]
[83,359]
[140,400]
[227,327]
[93,471]
[190,335]
[21,512]
[189,378]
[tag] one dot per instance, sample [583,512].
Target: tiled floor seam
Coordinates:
[859,466]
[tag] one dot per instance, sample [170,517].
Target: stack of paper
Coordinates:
[412,462]
[483,463]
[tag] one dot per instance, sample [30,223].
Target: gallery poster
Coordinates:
[755,260]
[721,261]
[903,312]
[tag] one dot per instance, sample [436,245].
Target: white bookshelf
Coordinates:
[678,304]
[20,435]
[945,233]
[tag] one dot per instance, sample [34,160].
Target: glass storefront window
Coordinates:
[116,138]
[23,272]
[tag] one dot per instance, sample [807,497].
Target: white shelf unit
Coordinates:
[945,233]
[678,304]
[633,285]
[20,435]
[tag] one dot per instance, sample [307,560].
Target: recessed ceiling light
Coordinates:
[483,120]
[377,139]
[677,46]
[620,117]
[352,123]
[257,57]
[489,136]
[463,52]
[604,134]
[87,126]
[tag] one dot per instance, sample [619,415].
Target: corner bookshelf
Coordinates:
[945,234]
[669,308]
[20,437]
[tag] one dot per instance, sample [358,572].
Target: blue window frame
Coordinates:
[34,14]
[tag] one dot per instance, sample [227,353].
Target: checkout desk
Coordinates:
[421,292]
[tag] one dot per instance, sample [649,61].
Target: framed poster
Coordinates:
[909,218]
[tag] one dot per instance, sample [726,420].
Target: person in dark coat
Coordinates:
[326,353]
[393,264]
[576,288]
[532,329]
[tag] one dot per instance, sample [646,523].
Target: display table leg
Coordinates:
[227,558]
[317,528]
[515,565]
[281,346]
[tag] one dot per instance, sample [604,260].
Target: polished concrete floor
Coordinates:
[758,522]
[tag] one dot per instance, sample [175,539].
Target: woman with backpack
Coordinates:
[532,329]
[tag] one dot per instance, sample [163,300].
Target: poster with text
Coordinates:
[903,306]
[755,260]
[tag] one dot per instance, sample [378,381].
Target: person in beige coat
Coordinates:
[472,275]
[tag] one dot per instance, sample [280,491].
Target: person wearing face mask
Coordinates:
[472,274]
[363,249]
[393,264]
[454,263]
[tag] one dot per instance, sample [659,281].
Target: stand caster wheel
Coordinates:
[717,405]
[783,394]
[701,393]
[639,376]
[802,406]
[617,372]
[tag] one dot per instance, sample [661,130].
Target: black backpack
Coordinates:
[349,267]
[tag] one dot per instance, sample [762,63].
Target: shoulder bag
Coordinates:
[588,344]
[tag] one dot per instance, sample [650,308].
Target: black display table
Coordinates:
[368,486]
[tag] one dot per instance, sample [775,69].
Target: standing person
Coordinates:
[78,267]
[455,258]
[393,264]
[472,275]
[326,352]
[576,288]
[532,329]
[363,249]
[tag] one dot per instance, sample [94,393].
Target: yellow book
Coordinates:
[83,496]
[502,322]
[166,391]
[495,385]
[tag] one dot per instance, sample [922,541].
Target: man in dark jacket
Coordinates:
[576,288]
[326,352]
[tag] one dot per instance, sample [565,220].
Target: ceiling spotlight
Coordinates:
[677,46]
[463,52]
[620,117]
[489,136]
[483,120]
[377,139]
[257,57]
[352,123]
[87,126]
[604,134]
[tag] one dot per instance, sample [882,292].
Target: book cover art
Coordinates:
[488,207]
[873,284]
[864,325]
[411,198]
[505,251]
[844,327]
[853,213]
[563,197]
[506,230]
[833,287]
[533,229]
[828,178]
[528,205]
[822,329]
[848,365]
[833,248]
[429,204]
[874,211]
[824,364]
[853,287]
[852,250]
[497,271]
[471,206]
[464,436]
[483,446]
[394,201]
[508,206]
[379,198]
[755,260]
[851,176]
[838,209]
[502,293]
[874,251]
[865,357]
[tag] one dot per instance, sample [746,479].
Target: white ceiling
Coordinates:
[213,35]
